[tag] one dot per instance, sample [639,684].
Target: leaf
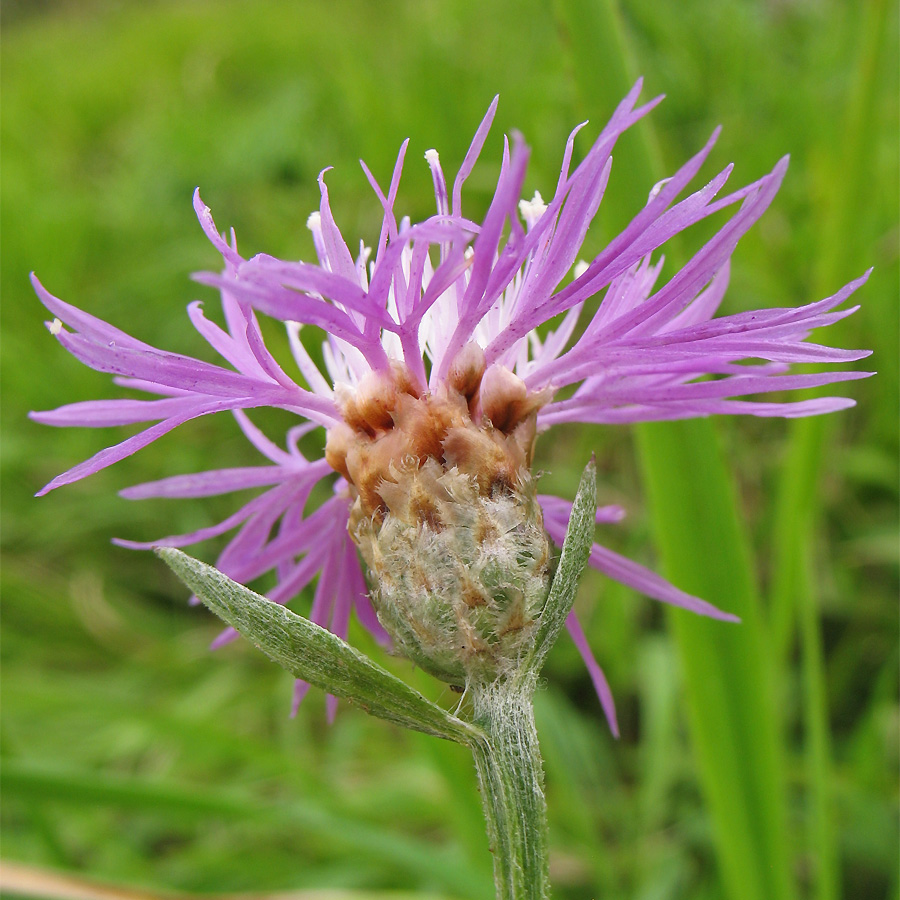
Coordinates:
[575,552]
[728,670]
[314,654]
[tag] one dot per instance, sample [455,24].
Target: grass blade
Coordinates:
[727,671]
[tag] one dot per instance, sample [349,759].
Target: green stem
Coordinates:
[511,781]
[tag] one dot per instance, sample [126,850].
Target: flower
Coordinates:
[435,383]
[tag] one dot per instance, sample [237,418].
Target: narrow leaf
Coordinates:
[728,669]
[575,552]
[314,654]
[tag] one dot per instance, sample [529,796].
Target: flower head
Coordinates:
[436,381]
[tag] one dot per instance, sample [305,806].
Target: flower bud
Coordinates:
[446,516]
[458,577]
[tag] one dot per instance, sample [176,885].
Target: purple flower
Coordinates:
[431,354]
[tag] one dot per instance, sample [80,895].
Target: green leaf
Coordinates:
[728,669]
[314,654]
[575,551]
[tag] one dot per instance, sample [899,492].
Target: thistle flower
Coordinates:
[435,383]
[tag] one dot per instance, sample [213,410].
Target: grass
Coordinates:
[767,750]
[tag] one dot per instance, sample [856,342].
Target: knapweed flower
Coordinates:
[437,373]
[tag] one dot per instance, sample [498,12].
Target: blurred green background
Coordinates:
[132,755]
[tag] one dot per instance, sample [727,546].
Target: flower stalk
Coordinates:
[511,781]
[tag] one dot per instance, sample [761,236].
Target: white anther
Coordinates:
[533,209]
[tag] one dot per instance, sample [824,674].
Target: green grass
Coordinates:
[757,760]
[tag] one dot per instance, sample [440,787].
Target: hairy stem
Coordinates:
[511,781]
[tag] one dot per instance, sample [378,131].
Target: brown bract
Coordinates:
[480,422]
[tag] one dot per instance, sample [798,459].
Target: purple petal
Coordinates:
[292,306]
[256,437]
[223,343]
[614,260]
[300,690]
[339,258]
[226,636]
[214,482]
[601,685]
[299,276]
[105,413]
[646,582]
[475,302]
[561,509]
[473,153]
[675,296]
[131,445]
[389,223]
[88,325]
[255,507]
[209,226]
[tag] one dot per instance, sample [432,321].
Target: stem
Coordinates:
[511,780]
